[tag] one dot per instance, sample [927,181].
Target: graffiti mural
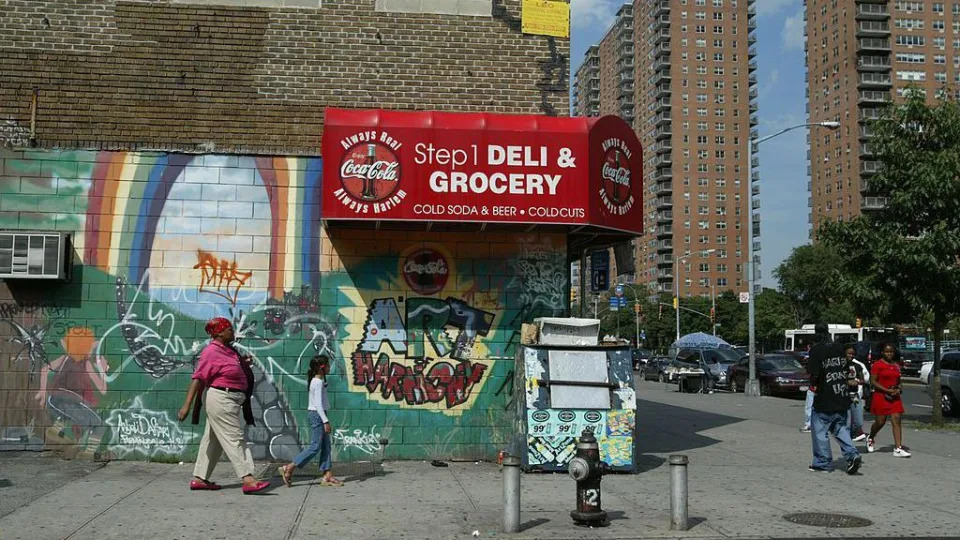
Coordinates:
[421,328]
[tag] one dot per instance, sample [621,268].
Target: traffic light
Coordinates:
[713,315]
[859,322]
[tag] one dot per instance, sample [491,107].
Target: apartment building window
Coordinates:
[702,126]
[939,59]
[720,154]
[700,29]
[722,225]
[718,43]
[701,43]
[717,29]
[701,70]
[940,76]
[938,7]
[911,58]
[703,182]
[701,84]
[720,112]
[718,3]
[703,239]
[701,56]
[720,126]
[939,25]
[686,224]
[721,267]
[719,139]
[909,6]
[721,182]
[910,40]
[703,154]
[702,167]
[702,139]
[717,15]
[721,239]
[719,98]
[702,111]
[704,225]
[721,197]
[940,43]
[722,282]
[718,57]
[910,24]
[704,267]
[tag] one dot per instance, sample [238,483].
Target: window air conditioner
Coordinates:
[35,255]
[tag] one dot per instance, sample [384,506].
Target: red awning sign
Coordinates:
[430,166]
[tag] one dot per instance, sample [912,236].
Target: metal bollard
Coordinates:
[511,494]
[678,492]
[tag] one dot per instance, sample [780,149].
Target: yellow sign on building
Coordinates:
[546,18]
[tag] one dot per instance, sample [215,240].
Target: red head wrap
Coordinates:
[217,325]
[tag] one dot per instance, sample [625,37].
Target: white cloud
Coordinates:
[586,13]
[771,7]
[793,32]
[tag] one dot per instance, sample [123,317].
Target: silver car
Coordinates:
[949,383]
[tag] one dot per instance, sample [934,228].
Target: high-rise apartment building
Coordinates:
[861,54]
[696,109]
[586,85]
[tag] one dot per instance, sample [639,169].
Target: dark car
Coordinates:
[800,356]
[639,356]
[653,369]
[777,373]
[715,361]
[911,361]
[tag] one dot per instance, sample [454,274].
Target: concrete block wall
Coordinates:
[422,327]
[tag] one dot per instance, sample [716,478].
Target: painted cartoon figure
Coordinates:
[78,381]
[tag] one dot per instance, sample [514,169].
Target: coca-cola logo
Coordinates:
[370,171]
[426,271]
[615,175]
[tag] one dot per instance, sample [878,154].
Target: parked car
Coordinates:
[682,366]
[912,361]
[777,373]
[801,356]
[949,383]
[715,361]
[639,356]
[926,370]
[653,370]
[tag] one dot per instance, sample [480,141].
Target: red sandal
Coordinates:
[259,486]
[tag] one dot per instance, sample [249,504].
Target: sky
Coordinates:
[783,160]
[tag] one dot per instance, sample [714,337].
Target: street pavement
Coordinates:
[748,468]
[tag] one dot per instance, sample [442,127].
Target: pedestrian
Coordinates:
[887,401]
[225,380]
[320,429]
[831,404]
[862,378]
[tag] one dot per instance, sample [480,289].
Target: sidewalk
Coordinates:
[747,469]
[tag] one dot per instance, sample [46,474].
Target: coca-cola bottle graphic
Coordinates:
[616,176]
[367,192]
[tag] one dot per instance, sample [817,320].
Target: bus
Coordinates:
[801,339]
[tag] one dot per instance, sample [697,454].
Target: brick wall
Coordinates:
[129,75]
[423,353]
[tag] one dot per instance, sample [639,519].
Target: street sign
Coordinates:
[744,297]
[643,334]
[623,301]
[619,290]
[599,270]
[614,303]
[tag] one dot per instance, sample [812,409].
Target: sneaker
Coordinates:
[900,452]
[854,465]
[811,468]
[871,446]
[860,437]
[805,429]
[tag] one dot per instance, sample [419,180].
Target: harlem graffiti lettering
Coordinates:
[219,276]
[148,432]
[367,442]
[421,335]
[416,385]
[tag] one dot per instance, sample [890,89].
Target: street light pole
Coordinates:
[713,309]
[753,385]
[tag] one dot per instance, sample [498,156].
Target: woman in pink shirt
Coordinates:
[228,380]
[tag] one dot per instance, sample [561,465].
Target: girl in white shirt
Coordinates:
[319,426]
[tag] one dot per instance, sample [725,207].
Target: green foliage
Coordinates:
[902,262]
[810,280]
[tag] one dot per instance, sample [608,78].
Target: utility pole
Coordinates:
[713,308]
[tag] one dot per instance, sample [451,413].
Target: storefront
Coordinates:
[450,230]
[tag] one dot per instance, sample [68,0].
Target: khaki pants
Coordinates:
[224,433]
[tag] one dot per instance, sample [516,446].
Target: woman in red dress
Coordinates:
[886,401]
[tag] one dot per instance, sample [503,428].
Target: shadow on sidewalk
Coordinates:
[668,429]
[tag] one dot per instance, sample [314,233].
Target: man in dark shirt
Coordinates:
[829,370]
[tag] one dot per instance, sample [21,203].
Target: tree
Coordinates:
[904,259]
[810,280]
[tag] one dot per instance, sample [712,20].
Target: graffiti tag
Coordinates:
[367,442]
[220,277]
[148,432]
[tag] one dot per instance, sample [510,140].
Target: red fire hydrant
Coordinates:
[586,468]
